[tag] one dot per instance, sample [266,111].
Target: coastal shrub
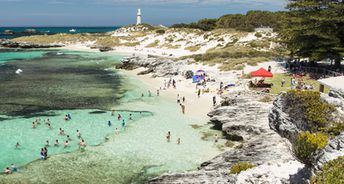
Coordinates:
[309,108]
[240,166]
[160,31]
[153,44]
[307,144]
[193,48]
[332,172]
[258,34]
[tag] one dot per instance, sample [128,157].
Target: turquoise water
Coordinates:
[7,56]
[132,156]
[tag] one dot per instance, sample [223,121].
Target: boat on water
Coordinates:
[59,53]
[72,30]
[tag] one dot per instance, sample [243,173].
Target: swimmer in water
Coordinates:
[68,138]
[60,131]
[82,143]
[78,133]
[49,125]
[109,123]
[123,123]
[56,143]
[112,112]
[17,145]
[66,144]
[119,117]
[130,118]
[33,125]
[47,143]
[168,136]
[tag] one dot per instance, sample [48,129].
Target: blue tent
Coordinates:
[197,78]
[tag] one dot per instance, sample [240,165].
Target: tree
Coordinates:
[314,29]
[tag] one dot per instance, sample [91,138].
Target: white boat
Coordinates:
[72,30]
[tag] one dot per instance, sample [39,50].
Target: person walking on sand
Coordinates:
[216,139]
[214,100]
[199,93]
[168,136]
[183,108]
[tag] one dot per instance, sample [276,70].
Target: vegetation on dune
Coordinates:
[241,166]
[248,22]
[307,144]
[332,172]
[193,48]
[309,108]
[153,44]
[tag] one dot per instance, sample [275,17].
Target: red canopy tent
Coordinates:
[261,73]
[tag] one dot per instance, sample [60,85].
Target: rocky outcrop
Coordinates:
[241,115]
[24,45]
[159,67]
[289,127]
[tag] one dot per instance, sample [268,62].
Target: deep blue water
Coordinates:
[54,30]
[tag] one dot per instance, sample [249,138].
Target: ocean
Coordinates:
[54,83]
[53,30]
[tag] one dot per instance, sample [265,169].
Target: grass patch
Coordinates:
[332,172]
[153,44]
[193,48]
[241,166]
[277,79]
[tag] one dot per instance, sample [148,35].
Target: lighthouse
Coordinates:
[138,19]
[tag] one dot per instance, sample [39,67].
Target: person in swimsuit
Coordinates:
[56,143]
[168,136]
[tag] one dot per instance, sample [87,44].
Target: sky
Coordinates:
[122,12]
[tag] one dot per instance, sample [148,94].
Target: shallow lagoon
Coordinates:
[134,155]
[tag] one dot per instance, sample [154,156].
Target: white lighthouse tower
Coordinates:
[138,19]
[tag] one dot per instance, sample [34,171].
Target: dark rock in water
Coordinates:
[97,112]
[145,72]
[105,49]
[11,44]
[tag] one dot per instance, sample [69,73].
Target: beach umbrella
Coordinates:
[200,72]
[261,72]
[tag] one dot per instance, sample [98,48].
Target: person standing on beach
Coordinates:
[183,99]
[282,82]
[183,108]
[214,100]
[168,136]
[199,93]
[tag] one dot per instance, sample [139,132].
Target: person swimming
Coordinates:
[49,125]
[60,131]
[82,143]
[68,138]
[130,117]
[112,112]
[33,125]
[47,143]
[119,117]
[116,131]
[123,123]
[17,145]
[168,136]
[109,123]
[56,143]
[78,134]
[66,144]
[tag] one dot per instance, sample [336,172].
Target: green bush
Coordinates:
[160,31]
[258,34]
[307,144]
[308,106]
[241,166]
[332,172]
